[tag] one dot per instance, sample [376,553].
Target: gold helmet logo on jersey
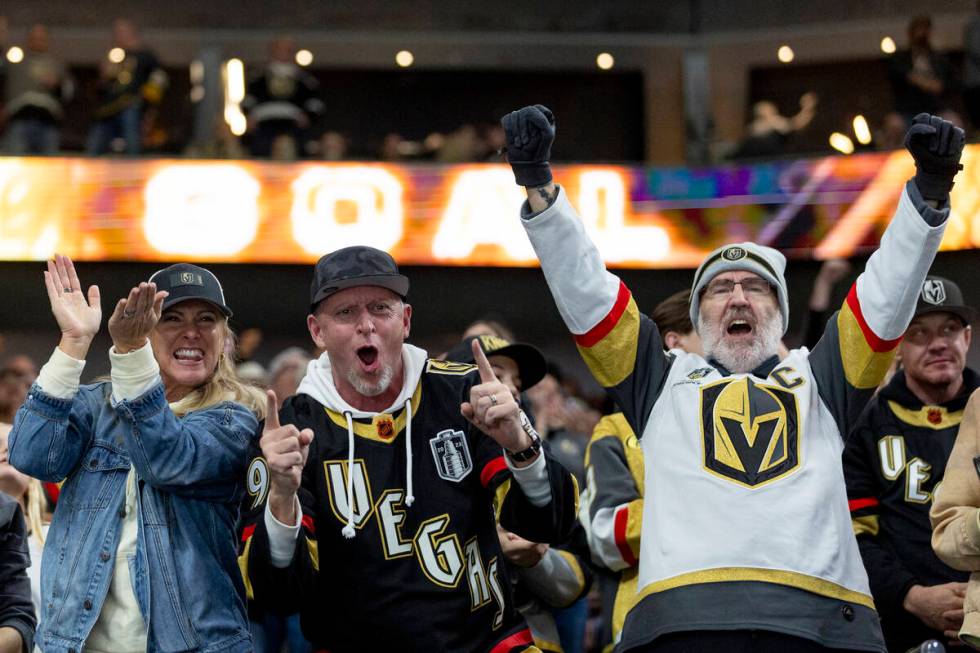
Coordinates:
[750,431]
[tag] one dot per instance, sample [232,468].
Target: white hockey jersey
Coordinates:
[745,517]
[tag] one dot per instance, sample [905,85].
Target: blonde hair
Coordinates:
[36,507]
[223,385]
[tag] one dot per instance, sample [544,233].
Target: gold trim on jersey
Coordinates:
[864,368]
[626,598]
[546,646]
[866,525]
[499,495]
[572,562]
[616,426]
[613,358]
[936,418]
[450,368]
[775,576]
[243,568]
[381,423]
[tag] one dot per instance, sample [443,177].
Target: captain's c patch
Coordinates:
[750,431]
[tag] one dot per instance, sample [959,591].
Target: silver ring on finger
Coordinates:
[129,314]
[68,290]
[493,400]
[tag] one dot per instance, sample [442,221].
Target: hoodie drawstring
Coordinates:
[348,530]
[409,498]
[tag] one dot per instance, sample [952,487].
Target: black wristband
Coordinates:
[533,450]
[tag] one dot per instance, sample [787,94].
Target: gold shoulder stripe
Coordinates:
[448,367]
[936,418]
[864,368]
[383,427]
[613,358]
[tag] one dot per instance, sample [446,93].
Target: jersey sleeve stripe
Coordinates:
[858,504]
[620,534]
[864,356]
[491,469]
[612,358]
[877,345]
[608,323]
[520,638]
[307,522]
[247,532]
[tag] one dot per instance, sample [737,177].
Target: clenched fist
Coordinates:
[285,449]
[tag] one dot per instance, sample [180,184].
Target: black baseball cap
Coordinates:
[187,281]
[530,361]
[355,266]
[942,295]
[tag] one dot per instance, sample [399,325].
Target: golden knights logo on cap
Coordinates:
[934,292]
[734,254]
[750,431]
[452,455]
[187,279]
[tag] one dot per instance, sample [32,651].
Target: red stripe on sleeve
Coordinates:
[247,532]
[490,470]
[520,638]
[601,330]
[307,522]
[878,345]
[619,534]
[857,504]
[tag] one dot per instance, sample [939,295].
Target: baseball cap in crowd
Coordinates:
[355,266]
[530,361]
[186,281]
[939,294]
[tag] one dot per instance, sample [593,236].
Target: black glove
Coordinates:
[936,146]
[530,132]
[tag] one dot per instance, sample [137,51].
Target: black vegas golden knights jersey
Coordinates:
[426,577]
[894,459]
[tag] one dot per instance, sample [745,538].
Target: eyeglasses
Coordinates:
[752,287]
[920,335]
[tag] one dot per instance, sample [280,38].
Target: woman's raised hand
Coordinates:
[78,317]
[135,316]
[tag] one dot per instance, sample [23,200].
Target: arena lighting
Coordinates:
[605,61]
[861,130]
[15,55]
[888,45]
[785,54]
[841,143]
[116,55]
[234,94]
[304,57]
[404,58]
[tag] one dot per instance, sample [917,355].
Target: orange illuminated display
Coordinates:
[252,212]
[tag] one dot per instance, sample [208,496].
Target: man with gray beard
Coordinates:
[746,541]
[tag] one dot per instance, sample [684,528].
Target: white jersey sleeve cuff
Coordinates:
[533,480]
[61,375]
[282,538]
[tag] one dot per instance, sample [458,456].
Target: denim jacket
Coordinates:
[190,472]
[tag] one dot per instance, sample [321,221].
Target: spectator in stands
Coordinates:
[894,459]
[919,75]
[286,370]
[126,87]
[16,377]
[890,135]
[832,272]
[141,552]
[769,130]
[550,407]
[334,146]
[546,578]
[30,495]
[612,502]
[17,621]
[281,103]
[405,429]
[971,69]
[956,519]
[37,90]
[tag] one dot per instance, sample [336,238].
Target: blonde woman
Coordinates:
[140,554]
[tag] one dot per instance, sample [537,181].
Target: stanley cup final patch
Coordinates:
[451,454]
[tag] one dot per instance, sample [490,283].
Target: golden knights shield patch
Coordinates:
[750,431]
